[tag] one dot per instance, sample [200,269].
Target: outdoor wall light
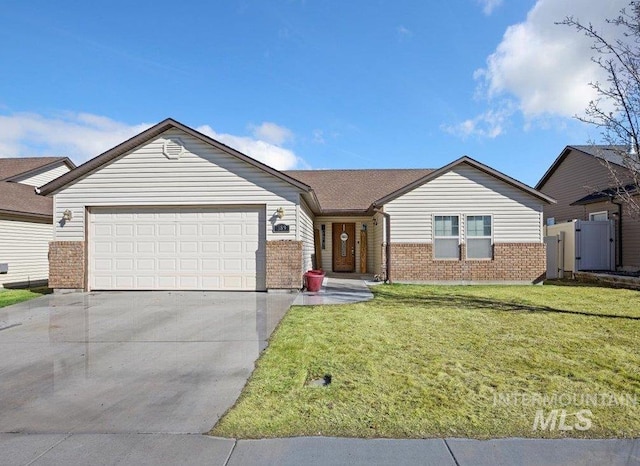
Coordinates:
[67,215]
[280,212]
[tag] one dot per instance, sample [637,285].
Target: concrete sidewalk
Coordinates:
[191,449]
[336,290]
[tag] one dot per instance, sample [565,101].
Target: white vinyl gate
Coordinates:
[595,248]
[579,245]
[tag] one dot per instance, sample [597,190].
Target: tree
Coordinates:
[616,109]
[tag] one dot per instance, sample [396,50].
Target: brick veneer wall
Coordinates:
[511,262]
[66,264]
[284,264]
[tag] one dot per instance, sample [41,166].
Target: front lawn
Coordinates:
[8,297]
[449,361]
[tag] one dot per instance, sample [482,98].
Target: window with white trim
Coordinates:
[446,237]
[479,237]
[604,215]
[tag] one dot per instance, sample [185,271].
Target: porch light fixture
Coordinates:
[67,215]
[280,213]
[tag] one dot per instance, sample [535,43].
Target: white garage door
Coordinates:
[186,248]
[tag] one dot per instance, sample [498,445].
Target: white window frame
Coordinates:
[593,214]
[435,237]
[467,237]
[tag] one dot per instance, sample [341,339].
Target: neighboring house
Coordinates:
[172,208]
[26,218]
[581,181]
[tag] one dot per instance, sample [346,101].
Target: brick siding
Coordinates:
[524,262]
[66,264]
[284,264]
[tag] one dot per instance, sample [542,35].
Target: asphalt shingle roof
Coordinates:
[355,190]
[21,199]
[11,167]
[17,198]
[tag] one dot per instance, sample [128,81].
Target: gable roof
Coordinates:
[355,191]
[97,162]
[21,199]
[11,168]
[607,153]
[474,163]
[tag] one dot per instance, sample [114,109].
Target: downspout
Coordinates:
[387,246]
[619,239]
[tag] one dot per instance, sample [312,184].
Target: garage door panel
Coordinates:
[188,229]
[167,247]
[188,246]
[177,248]
[145,246]
[145,229]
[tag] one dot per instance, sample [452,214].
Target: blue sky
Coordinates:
[303,84]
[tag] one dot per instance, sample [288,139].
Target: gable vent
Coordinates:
[173,148]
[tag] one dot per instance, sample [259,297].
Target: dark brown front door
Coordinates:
[344,247]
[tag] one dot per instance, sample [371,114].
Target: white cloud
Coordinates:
[489,124]
[272,133]
[318,136]
[545,66]
[489,5]
[79,136]
[82,136]
[404,32]
[540,68]
[266,152]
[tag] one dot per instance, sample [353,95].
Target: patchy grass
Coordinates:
[428,361]
[9,297]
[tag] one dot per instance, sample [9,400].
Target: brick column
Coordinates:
[66,264]
[284,264]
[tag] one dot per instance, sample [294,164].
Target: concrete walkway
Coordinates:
[184,449]
[336,290]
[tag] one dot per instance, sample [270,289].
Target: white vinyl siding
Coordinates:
[306,235]
[44,175]
[203,175]
[327,259]
[24,246]
[517,216]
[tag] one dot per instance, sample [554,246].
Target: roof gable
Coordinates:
[473,163]
[112,154]
[606,153]
[12,168]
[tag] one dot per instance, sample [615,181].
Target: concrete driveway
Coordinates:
[130,362]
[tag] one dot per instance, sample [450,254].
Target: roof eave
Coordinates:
[344,212]
[98,162]
[19,213]
[65,160]
[474,163]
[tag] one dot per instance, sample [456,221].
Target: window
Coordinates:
[604,215]
[479,237]
[446,237]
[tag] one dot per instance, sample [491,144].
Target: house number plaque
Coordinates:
[281,228]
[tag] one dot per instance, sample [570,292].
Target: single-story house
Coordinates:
[582,182]
[172,208]
[26,219]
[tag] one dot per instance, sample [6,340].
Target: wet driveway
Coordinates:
[125,362]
